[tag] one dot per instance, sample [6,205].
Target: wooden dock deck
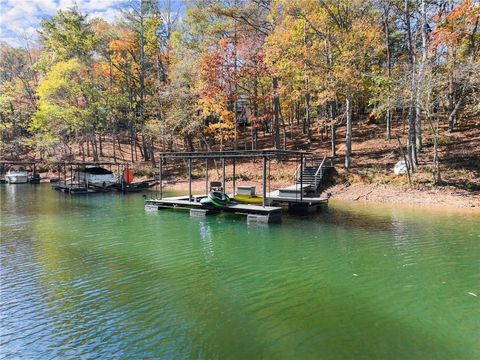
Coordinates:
[254,213]
[277,197]
[70,188]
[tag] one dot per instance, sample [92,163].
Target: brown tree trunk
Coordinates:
[388,115]
[100,143]
[333,115]
[276,114]
[113,148]
[348,134]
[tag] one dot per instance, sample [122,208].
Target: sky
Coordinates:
[20,19]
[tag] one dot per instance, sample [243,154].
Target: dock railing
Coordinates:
[319,172]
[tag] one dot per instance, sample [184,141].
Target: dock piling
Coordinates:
[201,213]
[301,177]
[189,179]
[160,180]
[264,182]
[223,176]
[233,176]
[206,176]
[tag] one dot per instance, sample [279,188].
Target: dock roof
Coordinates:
[233,154]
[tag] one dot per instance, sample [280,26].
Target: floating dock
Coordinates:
[254,213]
[70,188]
[303,195]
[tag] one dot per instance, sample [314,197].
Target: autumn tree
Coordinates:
[18,100]
[328,50]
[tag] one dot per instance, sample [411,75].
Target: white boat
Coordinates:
[96,176]
[14,176]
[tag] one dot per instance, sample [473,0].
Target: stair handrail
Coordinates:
[296,173]
[319,170]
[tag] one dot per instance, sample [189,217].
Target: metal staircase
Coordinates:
[310,177]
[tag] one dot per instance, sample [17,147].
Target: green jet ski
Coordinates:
[216,199]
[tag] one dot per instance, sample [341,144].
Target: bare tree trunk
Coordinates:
[451,98]
[82,149]
[307,90]
[436,164]
[100,143]
[333,115]
[276,114]
[113,147]
[88,147]
[405,160]
[453,114]
[143,142]
[307,117]
[235,103]
[284,130]
[120,149]
[421,77]
[255,115]
[142,79]
[389,73]
[94,148]
[412,151]
[132,145]
[152,153]
[348,134]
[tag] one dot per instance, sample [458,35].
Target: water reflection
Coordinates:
[205,233]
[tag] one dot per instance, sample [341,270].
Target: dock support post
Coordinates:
[233,177]
[264,181]
[122,178]
[201,213]
[223,177]
[160,180]
[206,176]
[301,177]
[275,217]
[189,179]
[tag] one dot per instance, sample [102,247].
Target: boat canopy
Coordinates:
[96,171]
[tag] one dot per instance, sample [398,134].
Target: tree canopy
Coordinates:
[225,71]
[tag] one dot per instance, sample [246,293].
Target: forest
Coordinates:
[251,74]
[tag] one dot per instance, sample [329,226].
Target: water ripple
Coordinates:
[98,277]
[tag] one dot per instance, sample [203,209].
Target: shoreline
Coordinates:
[402,195]
[439,197]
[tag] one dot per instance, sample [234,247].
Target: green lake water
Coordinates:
[99,277]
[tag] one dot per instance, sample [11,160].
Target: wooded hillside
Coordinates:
[233,74]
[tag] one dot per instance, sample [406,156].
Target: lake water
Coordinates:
[97,276]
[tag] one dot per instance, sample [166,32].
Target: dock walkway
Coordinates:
[70,188]
[256,213]
[294,199]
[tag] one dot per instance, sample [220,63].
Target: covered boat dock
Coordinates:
[271,202]
[68,183]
